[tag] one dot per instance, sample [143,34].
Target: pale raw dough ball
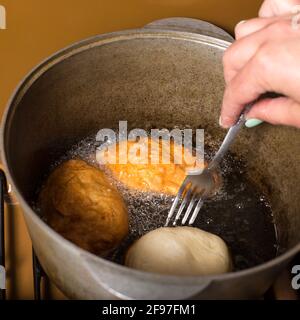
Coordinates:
[180,251]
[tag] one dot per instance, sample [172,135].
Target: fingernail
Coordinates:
[253,123]
[241,22]
[220,122]
[223,123]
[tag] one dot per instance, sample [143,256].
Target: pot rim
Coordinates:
[69,51]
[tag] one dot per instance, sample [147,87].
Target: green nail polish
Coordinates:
[252,123]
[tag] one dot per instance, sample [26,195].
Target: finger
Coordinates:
[281,110]
[241,51]
[245,28]
[266,10]
[276,8]
[244,88]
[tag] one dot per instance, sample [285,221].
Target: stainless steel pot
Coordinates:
[168,73]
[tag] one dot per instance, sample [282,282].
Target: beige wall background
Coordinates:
[38,28]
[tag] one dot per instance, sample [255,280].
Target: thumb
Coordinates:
[283,110]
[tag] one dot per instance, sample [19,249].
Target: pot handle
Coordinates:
[128,284]
[191,25]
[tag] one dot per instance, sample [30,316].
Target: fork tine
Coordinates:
[196,211]
[176,200]
[186,200]
[190,207]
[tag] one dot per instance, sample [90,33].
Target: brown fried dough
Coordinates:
[79,203]
[152,177]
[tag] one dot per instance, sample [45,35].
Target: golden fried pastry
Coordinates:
[79,203]
[183,251]
[165,176]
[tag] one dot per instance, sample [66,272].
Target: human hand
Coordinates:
[264,60]
[276,9]
[273,8]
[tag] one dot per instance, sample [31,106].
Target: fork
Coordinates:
[196,187]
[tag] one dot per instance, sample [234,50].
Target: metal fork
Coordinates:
[196,187]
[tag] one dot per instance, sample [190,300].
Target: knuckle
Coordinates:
[264,113]
[279,27]
[262,58]
[238,30]
[225,64]
[228,69]
[227,56]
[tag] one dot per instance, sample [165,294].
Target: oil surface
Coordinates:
[239,213]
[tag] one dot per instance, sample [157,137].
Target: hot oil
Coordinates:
[238,213]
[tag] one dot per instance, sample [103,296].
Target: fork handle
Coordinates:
[229,138]
[233,131]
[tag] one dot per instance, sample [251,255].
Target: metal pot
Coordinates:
[168,73]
